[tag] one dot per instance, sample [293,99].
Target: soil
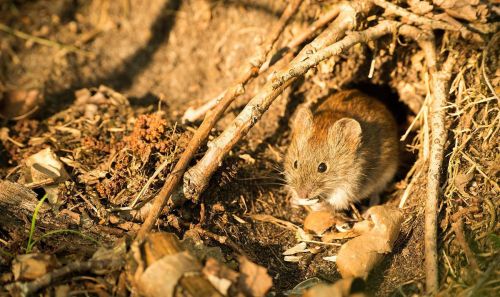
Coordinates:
[165,56]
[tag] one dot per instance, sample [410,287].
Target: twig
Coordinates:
[278,222]
[414,18]
[42,41]
[439,93]
[212,117]
[196,179]
[193,114]
[492,41]
[458,228]
[29,288]
[222,240]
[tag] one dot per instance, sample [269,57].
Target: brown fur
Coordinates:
[356,137]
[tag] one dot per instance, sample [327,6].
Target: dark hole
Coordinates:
[387,96]
[40,192]
[357,286]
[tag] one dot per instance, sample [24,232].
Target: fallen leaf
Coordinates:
[161,277]
[254,279]
[358,256]
[219,275]
[319,221]
[45,168]
[32,266]
[161,266]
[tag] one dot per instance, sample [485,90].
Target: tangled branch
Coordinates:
[196,179]
[212,117]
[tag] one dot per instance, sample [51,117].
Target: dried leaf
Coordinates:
[161,277]
[46,169]
[32,266]
[358,256]
[161,266]
[319,221]
[220,276]
[254,279]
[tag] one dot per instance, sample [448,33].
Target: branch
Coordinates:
[439,94]
[196,179]
[414,18]
[212,117]
[193,114]
[94,265]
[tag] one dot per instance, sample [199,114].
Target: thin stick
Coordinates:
[193,114]
[211,118]
[42,41]
[458,228]
[30,288]
[196,179]
[345,21]
[414,18]
[439,93]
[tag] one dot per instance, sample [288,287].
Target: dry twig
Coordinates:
[212,117]
[30,288]
[193,114]
[439,93]
[43,41]
[196,179]
[414,18]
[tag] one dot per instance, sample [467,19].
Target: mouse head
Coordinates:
[322,157]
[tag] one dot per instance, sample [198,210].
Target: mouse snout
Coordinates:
[304,193]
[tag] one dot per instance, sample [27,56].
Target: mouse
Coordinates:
[344,151]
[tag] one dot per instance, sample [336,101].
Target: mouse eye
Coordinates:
[295,164]
[322,167]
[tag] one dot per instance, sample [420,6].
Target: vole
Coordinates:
[346,151]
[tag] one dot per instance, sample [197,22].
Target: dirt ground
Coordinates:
[165,56]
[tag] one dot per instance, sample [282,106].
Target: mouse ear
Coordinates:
[348,128]
[303,119]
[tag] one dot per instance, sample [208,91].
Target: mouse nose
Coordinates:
[304,193]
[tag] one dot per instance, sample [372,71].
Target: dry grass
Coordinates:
[470,250]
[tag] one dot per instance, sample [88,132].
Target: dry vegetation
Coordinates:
[107,107]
